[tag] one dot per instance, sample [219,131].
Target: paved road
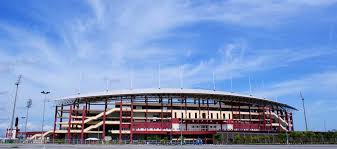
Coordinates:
[53,146]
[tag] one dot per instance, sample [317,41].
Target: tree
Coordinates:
[219,138]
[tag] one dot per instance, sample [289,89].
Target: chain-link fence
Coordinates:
[220,138]
[276,138]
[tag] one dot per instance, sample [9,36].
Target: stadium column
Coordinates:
[61,117]
[278,118]
[88,107]
[146,111]
[185,113]
[82,126]
[161,113]
[232,115]
[240,117]
[171,119]
[131,121]
[264,118]
[104,119]
[287,120]
[221,118]
[69,122]
[207,109]
[120,120]
[250,119]
[199,113]
[270,118]
[291,121]
[55,119]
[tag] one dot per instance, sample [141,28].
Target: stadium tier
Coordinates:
[140,114]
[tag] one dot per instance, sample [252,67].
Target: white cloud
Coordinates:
[325,82]
[119,37]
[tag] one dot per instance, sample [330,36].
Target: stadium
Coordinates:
[130,115]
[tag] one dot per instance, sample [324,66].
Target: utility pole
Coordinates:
[29,105]
[305,115]
[14,106]
[44,106]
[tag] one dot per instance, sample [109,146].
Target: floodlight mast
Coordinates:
[44,106]
[29,105]
[305,115]
[14,106]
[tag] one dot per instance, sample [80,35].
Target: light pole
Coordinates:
[29,105]
[12,135]
[44,106]
[305,116]
[21,136]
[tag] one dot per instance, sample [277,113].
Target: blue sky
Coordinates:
[284,46]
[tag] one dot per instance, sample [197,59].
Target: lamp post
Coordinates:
[44,106]
[21,136]
[29,105]
[305,116]
[11,133]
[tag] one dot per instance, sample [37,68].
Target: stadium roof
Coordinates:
[177,91]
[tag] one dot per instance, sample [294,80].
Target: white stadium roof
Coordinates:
[147,91]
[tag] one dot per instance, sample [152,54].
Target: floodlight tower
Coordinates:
[29,105]
[14,106]
[305,115]
[44,106]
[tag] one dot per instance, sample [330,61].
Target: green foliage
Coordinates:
[309,134]
[164,140]
[282,137]
[238,139]
[219,138]
[296,134]
[154,137]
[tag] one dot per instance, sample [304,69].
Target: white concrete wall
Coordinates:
[193,112]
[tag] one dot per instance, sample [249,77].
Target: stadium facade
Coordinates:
[138,114]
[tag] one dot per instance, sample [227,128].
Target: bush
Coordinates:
[219,138]
[238,139]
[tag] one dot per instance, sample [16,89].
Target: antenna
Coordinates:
[182,77]
[213,81]
[159,76]
[80,84]
[250,86]
[231,83]
[17,83]
[107,84]
[131,79]
[231,74]
[305,116]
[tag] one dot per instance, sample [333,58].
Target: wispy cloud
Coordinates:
[324,82]
[104,39]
